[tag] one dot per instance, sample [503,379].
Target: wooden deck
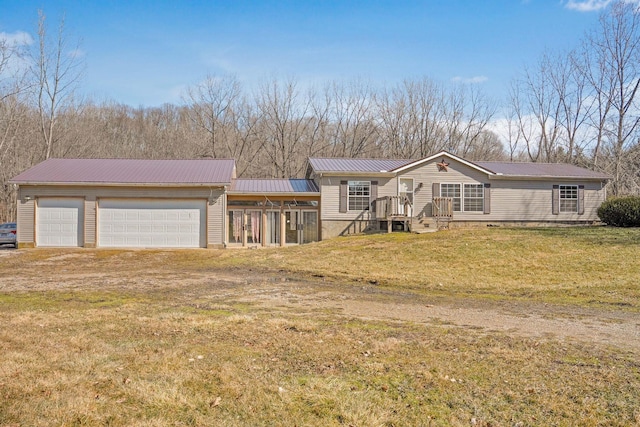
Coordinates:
[399,210]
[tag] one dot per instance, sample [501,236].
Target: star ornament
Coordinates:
[442,166]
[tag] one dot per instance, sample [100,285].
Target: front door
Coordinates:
[301,226]
[405,191]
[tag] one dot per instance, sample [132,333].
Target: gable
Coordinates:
[432,169]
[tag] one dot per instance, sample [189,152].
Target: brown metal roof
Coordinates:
[337,165]
[507,169]
[273,186]
[540,170]
[129,171]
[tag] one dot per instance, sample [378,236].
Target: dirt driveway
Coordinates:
[59,271]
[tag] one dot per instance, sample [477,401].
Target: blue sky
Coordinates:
[143,52]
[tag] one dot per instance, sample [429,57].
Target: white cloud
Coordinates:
[470,80]
[19,38]
[76,53]
[587,5]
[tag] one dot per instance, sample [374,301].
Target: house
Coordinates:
[446,190]
[201,203]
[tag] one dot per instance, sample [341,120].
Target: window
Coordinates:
[473,198]
[359,194]
[568,198]
[452,191]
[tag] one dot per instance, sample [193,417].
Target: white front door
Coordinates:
[59,222]
[149,223]
[405,191]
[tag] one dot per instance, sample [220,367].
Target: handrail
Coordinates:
[442,207]
[390,206]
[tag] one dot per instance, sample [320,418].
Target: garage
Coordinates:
[147,223]
[59,222]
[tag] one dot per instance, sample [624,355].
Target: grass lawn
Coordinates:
[595,266]
[101,337]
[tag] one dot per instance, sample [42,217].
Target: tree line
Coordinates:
[578,107]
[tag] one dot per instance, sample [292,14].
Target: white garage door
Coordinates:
[151,223]
[59,222]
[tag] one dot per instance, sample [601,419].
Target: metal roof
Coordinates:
[337,165]
[506,169]
[129,171]
[551,170]
[272,186]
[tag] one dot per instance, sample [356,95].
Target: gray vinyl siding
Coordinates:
[330,196]
[532,201]
[89,221]
[215,218]
[511,199]
[92,196]
[26,218]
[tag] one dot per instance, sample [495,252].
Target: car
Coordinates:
[8,234]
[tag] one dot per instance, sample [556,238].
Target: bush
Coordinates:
[621,211]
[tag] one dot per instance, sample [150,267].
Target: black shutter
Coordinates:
[487,198]
[343,196]
[555,200]
[580,199]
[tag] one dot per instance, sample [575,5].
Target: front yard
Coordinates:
[463,327]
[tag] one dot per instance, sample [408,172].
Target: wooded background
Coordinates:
[580,107]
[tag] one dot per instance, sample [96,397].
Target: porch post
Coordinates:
[283,227]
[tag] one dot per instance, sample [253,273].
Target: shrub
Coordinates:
[621,211]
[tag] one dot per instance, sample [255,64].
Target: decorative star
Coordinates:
[442,166]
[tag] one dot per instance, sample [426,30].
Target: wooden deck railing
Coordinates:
[400,207]
[393,206]
[442,207]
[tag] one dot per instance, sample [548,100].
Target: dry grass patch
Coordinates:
[155,338]
[585,266]
[130,360]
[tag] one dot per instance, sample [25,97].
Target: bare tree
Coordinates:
[212,106]
[352,129]
[285,125]
[56,70]
[245,145]
[612,58]
[418,118]
[537,106]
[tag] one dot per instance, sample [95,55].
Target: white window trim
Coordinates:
[478,184]
[560,198]
[349,196]
[461,186]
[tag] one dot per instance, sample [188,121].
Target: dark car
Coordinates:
[8,233]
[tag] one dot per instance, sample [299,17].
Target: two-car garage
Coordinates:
[124,203]
[123,223]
